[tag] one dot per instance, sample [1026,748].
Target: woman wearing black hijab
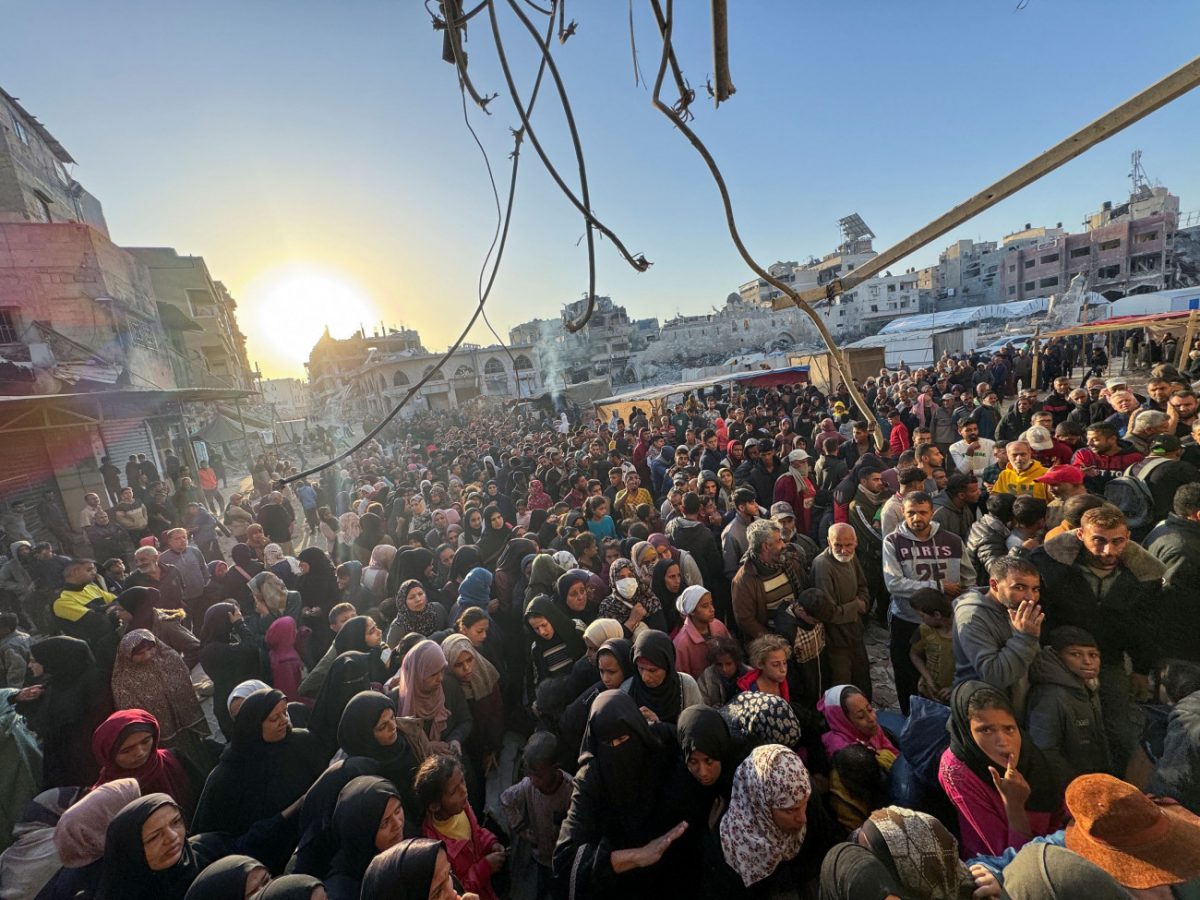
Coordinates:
[465,559]
[148,856]
[557,643]
[496,535]
[572,595]
[413,562]
[472,532]
[266,767]
[318,593]
[360,634]
[367,820]
[699,788]
[370,535]
[614,662]
[666,594]
[656,685]
[228,655]
[414,869]
[75,698]
[229,878]
[293,887]
[612,839]
[314,821]
[369,729]
[349,674]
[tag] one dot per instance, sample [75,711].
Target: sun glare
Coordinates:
[292,306]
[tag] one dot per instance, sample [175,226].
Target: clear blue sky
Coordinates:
[265,133]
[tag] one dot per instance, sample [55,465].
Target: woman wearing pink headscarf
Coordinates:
[851,720]
[423,692]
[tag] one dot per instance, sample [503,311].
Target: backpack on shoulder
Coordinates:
[1130,493]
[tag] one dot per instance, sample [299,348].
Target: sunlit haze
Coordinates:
[287,308]
[331,136]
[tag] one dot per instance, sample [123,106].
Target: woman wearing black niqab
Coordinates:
[75,699]
[267,766]
[349,674]
[365,817]
[159,866]
[617,804]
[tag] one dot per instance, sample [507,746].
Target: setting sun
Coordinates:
[291,306]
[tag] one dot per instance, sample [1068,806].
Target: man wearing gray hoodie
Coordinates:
[917,555]
[996,629]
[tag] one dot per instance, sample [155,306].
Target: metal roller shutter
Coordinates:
[25,474]
[125,438]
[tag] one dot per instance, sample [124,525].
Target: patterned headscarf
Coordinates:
[772,777]
[760,718]
[924,855]
[162,685]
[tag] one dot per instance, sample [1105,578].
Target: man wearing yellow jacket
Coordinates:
[1021,474]
[84,610]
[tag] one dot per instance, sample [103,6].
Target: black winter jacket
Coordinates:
[1175,543]
[1124,620]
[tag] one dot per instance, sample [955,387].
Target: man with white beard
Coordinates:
[837,572]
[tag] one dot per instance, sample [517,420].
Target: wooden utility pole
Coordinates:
[1188,336]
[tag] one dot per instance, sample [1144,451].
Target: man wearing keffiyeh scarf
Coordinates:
[769,577]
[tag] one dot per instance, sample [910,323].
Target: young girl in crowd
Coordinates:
[700,623]
[718,681]
[475,854]
[996,777]
[557,643]
[599,522]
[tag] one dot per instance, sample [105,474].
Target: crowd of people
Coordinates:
[490,655]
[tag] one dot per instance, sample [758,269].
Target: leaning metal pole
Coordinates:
[1157,95]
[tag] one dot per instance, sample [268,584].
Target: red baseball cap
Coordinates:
[1062,474]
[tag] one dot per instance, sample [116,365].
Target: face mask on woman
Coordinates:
[626,587]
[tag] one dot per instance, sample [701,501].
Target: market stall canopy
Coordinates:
[653,397]
[1158,322]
